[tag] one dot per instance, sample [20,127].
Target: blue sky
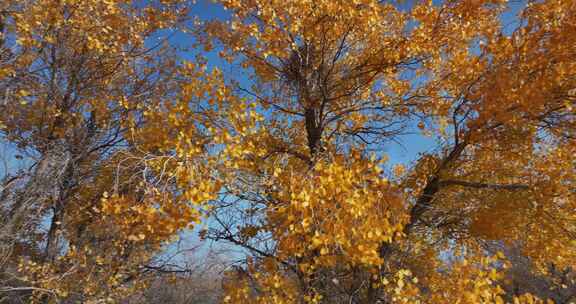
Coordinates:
[412,144]
[206,10]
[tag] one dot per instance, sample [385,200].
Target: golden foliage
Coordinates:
[292,169]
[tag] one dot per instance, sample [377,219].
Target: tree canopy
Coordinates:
[128,132]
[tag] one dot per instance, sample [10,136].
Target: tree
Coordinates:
[85,220]
[129,145]
[337,80]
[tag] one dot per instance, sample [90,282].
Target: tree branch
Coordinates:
[477,185]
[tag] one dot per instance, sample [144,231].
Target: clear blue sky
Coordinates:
[412,145]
